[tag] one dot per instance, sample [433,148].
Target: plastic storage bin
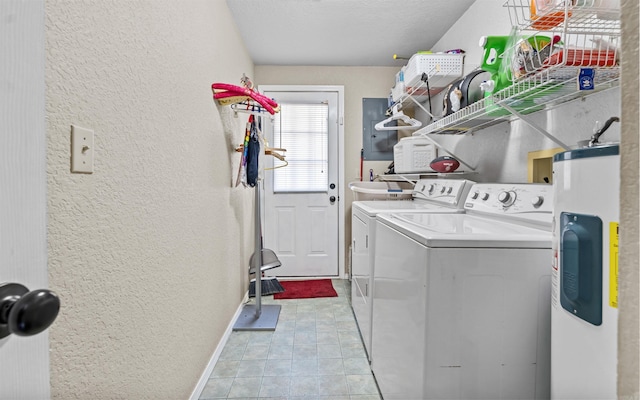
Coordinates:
[381,190]
[441,68]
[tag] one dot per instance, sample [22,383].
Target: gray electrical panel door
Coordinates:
[377,145]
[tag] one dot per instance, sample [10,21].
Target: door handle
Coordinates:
[26,313]
[332,199]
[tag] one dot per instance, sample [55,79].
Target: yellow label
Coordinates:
[613,264]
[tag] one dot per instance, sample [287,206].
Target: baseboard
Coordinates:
[202,382]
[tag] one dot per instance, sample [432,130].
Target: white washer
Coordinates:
[584,313]
[429,195]
[461,306]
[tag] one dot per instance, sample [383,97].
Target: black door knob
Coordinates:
[332,186]
[26,313]
[332,199]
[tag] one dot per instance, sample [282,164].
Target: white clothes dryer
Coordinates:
[429,195]
[461,306]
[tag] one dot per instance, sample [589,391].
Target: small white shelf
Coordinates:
[381,190]
[422,175]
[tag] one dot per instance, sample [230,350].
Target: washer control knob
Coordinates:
[443,189]
[485,196]
[450,190]
[537,201]
[475,195]
[507,198]
[432,187]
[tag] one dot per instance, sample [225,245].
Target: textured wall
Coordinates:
[149,252]
[358,82]
[629,333]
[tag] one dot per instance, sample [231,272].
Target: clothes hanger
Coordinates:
[269,151]
[249,108]
[227,94]
[398,115]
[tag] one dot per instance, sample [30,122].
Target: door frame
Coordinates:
[25,366]
[341,198]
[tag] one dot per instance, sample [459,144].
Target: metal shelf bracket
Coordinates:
[532,124]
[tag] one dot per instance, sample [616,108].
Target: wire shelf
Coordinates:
[543,91]
[571,16]
[579,35]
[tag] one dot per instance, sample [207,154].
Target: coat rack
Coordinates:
[254,317]
[258,317]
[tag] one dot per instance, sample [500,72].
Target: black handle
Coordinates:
[332,199]
[25,313]
[596,136]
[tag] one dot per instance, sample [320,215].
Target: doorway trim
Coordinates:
[341,197]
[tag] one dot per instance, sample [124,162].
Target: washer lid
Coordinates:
[464,230]
[373,207]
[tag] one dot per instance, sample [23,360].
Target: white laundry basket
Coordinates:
[442,69]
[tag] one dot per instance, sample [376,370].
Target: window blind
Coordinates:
[303,130]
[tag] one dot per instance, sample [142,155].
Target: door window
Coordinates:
[302,129]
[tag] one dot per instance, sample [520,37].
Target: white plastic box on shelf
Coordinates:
[381,190]
[397,91]
[442,69]
[413,154]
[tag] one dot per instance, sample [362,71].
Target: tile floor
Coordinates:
[316,352]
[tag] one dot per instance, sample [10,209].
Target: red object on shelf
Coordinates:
[548,21]
[583,58]
[444,164]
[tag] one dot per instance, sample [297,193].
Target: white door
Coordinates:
[24,361]
[301,199]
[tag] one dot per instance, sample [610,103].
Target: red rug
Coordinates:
[306,289]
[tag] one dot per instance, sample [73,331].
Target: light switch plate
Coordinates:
[82,150]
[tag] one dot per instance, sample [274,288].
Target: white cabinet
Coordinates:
[361,277]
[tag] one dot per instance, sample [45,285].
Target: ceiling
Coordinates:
[342,32]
